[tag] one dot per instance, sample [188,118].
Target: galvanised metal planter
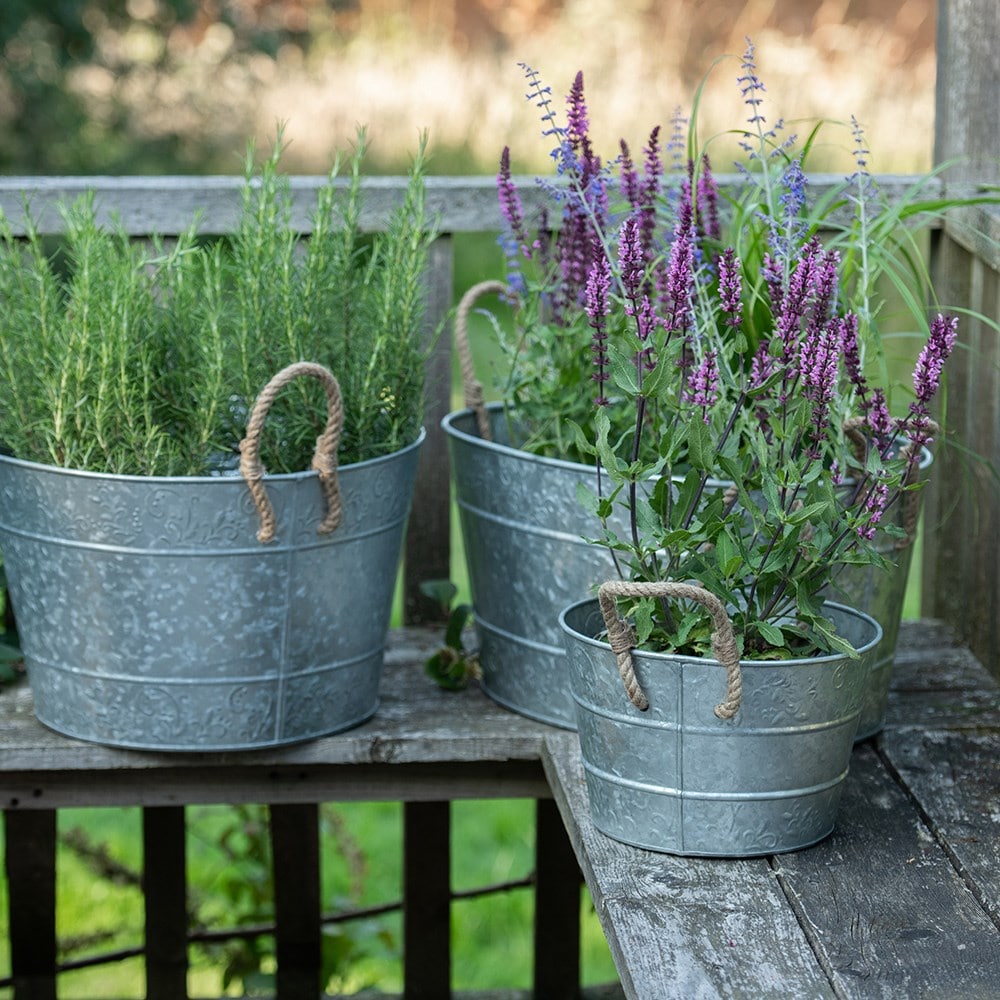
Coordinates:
[523,530]
[678,777]
[152,617]
[881,593]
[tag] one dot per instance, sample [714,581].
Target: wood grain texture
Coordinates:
[684,927]
[890,915]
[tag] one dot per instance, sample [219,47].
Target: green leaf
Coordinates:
[642,619]
[442,591]
[835,642]
[456,623]
[808,512]
[770,633]
[623,372]
[701,447]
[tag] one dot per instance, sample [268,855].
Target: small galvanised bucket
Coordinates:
[152,617]
[678,778]
[524,534]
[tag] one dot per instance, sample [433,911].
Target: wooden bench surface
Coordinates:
[903,900]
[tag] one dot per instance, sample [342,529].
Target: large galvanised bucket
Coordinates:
[677,778]
[524,533]
[151,616]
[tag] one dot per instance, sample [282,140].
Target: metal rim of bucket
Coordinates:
[222,477]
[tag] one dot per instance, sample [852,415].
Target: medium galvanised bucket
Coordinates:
[881,593]
[151,617]
[679,779]
[524,534]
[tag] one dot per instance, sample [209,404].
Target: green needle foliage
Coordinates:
[129,358]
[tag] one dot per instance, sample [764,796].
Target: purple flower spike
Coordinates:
[631,262]
[930,364]
[680,270]
[703,387]
[598,306]
[510,203]
[629,176]
[731,287]
[578,124]
[708,202]
[875,504]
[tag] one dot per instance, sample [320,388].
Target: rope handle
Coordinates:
[621,636]
[324,458]
[472,388]
[911,502]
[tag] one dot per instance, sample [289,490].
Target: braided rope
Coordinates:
[621,636]
[324,459]
[471,387]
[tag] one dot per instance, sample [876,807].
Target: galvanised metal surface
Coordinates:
[523,530]
[677,779]
[880,593]
[151,617]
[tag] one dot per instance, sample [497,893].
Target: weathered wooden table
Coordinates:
[903,900]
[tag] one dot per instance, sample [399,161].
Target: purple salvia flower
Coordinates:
[930,364]
[927,377]
[818,364]
[680,270]
[880,422]
[762,366]
[578,121]
[629,176]
[874,508]
[731,288]
[852,357]
[650,192]
[703,385]
[598,306]
[631,263]
[825,284]
[708,202]
[510,204]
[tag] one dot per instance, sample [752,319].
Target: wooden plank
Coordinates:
[887,911]
[167,204]
[938,684]
[955,778]
[426,900]
[295,855]
[684,927]
[164,884]
[557,908]
[30,839]
[961,579]
[428,542]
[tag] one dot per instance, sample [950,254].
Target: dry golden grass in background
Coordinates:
[451,66]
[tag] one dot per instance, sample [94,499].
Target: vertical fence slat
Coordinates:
[31,895]
[295,850]
[428,538]
[557,907]
[164,884]
[426,900]
[961,580]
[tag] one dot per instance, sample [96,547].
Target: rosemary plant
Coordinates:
[125,358]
